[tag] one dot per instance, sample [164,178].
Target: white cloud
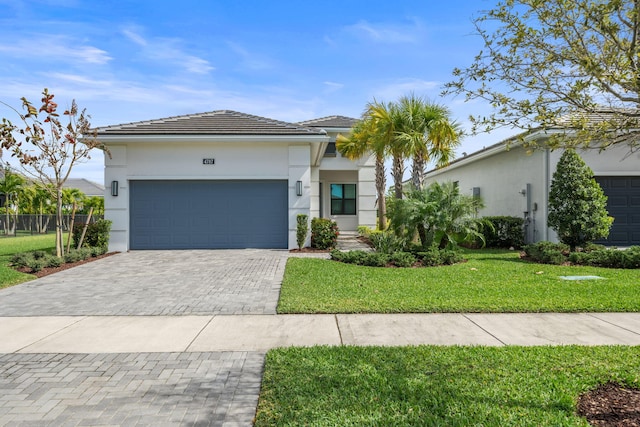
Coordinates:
[54,47]
[166,50]
[134,37]
[387,33]
[332,86]
[249,60]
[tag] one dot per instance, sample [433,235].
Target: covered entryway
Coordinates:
[193,214]
[623,204]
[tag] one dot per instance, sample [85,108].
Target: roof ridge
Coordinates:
[249,123]
[328,118]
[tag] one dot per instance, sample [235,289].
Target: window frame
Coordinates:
[343,199]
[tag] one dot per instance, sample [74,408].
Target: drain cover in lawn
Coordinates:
[581,277]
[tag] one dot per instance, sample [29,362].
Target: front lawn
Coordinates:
[437,386]
[492,281]
[13,245]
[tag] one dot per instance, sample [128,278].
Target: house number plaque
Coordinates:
[208,161]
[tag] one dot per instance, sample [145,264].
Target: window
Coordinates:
[343,199]
[331,150]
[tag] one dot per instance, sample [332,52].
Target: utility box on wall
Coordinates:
[475,191]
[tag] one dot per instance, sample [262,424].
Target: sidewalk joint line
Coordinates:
[486,331]
[53,333]
[186,350]
[335,317]
[612,324]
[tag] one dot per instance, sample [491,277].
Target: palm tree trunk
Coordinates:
[381,183]
[417,172]
[398,173]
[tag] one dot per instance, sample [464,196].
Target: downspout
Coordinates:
[545,195]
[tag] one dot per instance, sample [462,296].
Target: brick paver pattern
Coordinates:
[154,283]
[151,389]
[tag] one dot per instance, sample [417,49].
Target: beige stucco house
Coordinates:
[225,179]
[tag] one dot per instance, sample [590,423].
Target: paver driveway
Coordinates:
[141,389]
[156,283]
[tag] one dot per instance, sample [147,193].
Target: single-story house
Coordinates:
[513,182]
[88,188]
[225,179]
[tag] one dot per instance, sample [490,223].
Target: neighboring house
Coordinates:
[225,179]
[514,183]
[88,188]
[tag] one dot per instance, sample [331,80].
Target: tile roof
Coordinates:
[89,188]
[330,122]
[221,122]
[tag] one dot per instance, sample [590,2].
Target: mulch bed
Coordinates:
[309,250]
[50,270]
[611,405]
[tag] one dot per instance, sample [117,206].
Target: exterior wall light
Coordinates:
[299,188]
[114,188]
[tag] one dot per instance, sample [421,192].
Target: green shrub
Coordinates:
[450,257]
[386,242]
[364,231]
[54,261]
[302,229]
[610,258]
[37,264]
[547,252]
[349,257]
[97,234]
[98,250]
[324,233]
[433,257]
[22,259]
[507,231]
[76,255]
[371,259]
[375,259]
[577,203]
[590,247]
[579,258]
[402,259]
[430,257]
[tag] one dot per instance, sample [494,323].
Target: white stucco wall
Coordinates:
[176,161]
[501,177]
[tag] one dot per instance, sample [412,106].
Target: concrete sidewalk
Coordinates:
[259,333]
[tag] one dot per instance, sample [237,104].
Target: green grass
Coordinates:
[13,245]
[491,281]
[437,386]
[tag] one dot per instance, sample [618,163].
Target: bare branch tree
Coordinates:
[48,148]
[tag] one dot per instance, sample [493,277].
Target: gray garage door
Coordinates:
[623,204]
[208,214]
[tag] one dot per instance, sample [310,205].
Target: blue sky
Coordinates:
[136,60]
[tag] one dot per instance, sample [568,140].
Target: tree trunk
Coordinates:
[417,172]
[397,172]
[381,184]
[59,247]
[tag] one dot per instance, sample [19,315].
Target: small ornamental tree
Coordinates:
[47,148]
[577,204]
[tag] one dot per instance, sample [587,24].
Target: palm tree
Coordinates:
[427,134]
[364,139]
[387,118]
[10,185]
[439,215]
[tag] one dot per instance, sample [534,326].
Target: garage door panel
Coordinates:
[623,203]
[208,214]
